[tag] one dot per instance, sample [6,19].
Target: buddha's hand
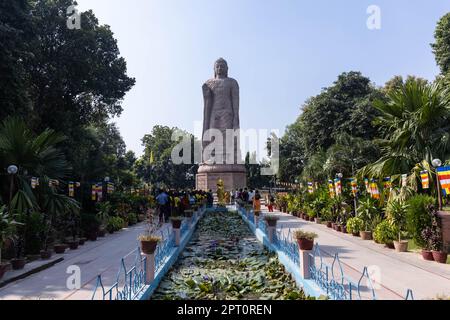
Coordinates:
[206,90]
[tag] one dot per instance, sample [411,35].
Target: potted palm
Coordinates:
[427,236]
[366,212]
[396,213]
[305,240]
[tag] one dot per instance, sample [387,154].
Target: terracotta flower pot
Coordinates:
[329,224]
[355,234]
[333,225]
[366,235]
[46,254]
[176,224]
[82,241]
[60,248]
[18,264]
[271,223]
[3,268]
[338,228]
[344,229]
[101,233]
[427,255]
[73,245]
[149,247]
[401,246]
[390,245]
[305,244]
[93,236]
[317,220]
[439,256]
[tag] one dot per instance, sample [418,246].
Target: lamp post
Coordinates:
[12,170]
[107,179]
[437,163]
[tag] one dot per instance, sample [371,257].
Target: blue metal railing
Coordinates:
[130,283]
[329,277]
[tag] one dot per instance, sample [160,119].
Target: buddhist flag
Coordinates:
[71,190]
[354,184]
[366,183]
[99,190]
[404,180]
[33,182]
[93,192]
[425,179]
[110,188]
[310,187]
[338,186]
[331,188]
[444,179]
[374,190]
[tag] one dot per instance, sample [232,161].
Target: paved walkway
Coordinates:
[396,272]
[102,256]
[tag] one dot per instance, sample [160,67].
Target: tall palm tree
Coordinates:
[415,127]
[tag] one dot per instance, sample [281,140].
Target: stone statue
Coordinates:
[221,112]
[221,102]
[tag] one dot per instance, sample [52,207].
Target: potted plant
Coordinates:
[271,220]
[305,240]
[366,212]
[176,222]
[188,213]
[7,230]
[396,213]
[104,209]
[385,233]
[428,239]
[434,239]
[354,226]
[149,241]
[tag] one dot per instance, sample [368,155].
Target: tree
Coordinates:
[441,47]
[415,127]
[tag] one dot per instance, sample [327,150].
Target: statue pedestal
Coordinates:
[233,176]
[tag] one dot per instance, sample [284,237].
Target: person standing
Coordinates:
[163,205]
[257,202]
[271,202]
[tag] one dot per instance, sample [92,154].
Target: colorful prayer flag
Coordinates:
[94,192]
[425,179]
[354,184]
[338,186]
[331,188]
[444,179]
[366,183]
[33,182]
[374,190]
[310,187]
[71,190]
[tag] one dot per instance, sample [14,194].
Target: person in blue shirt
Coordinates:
[163,205]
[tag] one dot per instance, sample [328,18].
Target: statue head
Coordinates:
[220,68]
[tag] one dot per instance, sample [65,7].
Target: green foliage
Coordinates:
[441,48]
[114,224]
[354,225]
[396,213]
[89,223]
[367,211]
[300,234]
[418,217]
[385,232]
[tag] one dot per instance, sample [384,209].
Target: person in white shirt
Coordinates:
[251,194]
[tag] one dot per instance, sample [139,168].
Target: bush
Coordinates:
[385,232]
[355,225]
[89,223]
[132,218]
[418,217]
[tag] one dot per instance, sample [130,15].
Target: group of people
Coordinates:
[174,203]
[253,197]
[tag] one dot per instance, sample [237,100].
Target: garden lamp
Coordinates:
[437,163]
[12,170]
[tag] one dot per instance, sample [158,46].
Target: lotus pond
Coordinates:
[225,261]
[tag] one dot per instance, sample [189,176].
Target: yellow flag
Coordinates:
[151,157]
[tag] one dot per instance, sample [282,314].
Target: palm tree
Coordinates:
[38,156]
[415,125]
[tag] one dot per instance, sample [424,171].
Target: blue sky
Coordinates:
[281,52]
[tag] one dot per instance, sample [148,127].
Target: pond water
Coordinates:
[225,261]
